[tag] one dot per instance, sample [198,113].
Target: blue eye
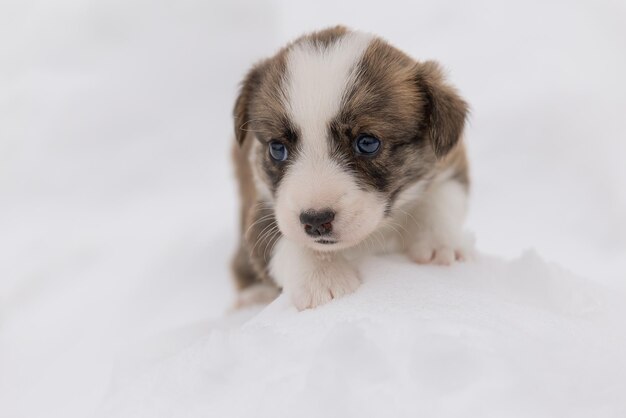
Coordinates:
[278,151]
[367,145]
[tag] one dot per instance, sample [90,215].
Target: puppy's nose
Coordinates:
[317,223]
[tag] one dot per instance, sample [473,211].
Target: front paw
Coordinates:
[428,250]
[331,281]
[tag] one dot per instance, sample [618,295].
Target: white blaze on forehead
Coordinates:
[317,78]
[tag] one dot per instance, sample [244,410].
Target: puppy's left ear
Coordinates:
[445,110]
[241,112]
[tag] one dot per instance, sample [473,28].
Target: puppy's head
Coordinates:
[344,125]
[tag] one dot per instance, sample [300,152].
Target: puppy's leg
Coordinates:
[311,278]
[251,287]
[437,235]
[259,233]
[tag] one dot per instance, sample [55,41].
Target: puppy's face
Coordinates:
[345,128]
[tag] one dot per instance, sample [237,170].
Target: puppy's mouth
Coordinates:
[325,241]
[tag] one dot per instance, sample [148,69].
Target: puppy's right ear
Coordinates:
[241,112]
[446,111]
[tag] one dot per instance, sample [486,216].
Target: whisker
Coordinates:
[268,241]
[369,243]
[272,240]
[378,236]
[407,215]
[267,230]
[275,242]
[392,226]
[258,221]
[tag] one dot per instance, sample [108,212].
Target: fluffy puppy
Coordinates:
[345,147]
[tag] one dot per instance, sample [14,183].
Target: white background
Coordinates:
[117,204]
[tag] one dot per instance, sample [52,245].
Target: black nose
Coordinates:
[317,223]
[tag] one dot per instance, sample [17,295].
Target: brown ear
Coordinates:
[445,110]
[241,112]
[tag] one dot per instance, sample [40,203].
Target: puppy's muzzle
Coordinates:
[317,223]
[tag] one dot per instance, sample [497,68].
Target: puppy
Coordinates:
[345,147]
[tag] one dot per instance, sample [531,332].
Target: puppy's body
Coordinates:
[346,146]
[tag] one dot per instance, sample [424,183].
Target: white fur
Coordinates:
[261,187]
[435,232]
[426,222]
[319,184]
[410,195]
[429,229]
[317,79]
[311,278]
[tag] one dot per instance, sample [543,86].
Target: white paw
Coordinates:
[332,281]
[431,251]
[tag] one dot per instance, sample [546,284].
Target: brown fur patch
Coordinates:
[445,109]
[408,106]
[384,102]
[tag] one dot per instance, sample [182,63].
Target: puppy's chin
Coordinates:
[327,245]
[323,245]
